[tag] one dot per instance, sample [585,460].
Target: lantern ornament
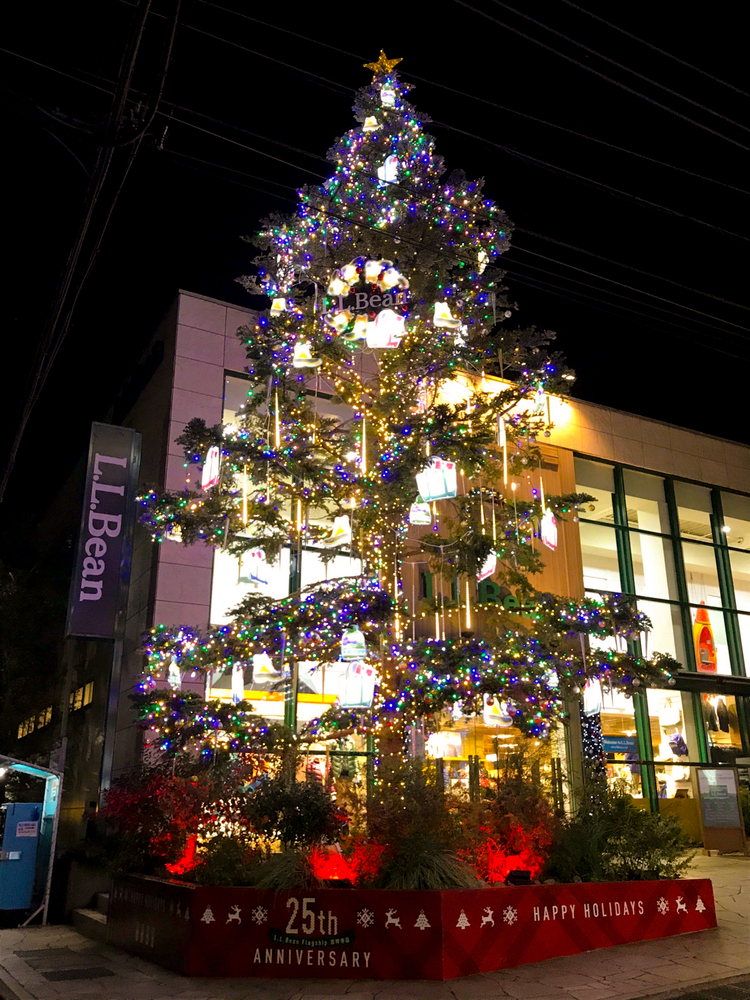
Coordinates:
[357,685]
[438,481]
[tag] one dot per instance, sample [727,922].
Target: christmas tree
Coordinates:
[388,390]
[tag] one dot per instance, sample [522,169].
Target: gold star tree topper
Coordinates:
[383,64]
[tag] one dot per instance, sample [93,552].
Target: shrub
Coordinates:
[510,829]
[292,812]
[226,861]
[610,839]
[282,872]
[422,861]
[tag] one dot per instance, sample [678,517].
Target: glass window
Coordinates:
[694,511]
[645,502]
[701,574]
[236,392]
[740,563]
[736,520]
[744,624]
[666,630]
[653,566]
[599,551]
[619,735]
[597,479]
[720,715]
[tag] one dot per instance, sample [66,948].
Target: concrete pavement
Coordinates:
[57,963]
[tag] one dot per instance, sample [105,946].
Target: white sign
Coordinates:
[28,828]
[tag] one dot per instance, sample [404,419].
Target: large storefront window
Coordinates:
[684,551]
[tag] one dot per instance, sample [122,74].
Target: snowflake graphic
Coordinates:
[422,922]
[700,905]
[510,915]
[463,921]
[259,915]
[662,905]
[365,918]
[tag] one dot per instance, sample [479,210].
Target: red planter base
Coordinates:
[372,934]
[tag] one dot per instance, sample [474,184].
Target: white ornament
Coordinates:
[388,173]
[463,921]
[422,922]
[341,531]
[357,685]
[278,306]
[387,97]
[443,317]
[303,358]
[387,330]
[263,666]
[208,916]
[238,682]
[662,905]
[482,259]
[548,530]
[371,124]
[420,513]
[174,679]
[210,475]
[255,562]
[338,285]
[488,568]
[350,273]
[496,714]
[234,915]
[365,918]
[353,645]
[438,481]
[259,915]
[391,920]
[358,330]
[372,270]
[510,915]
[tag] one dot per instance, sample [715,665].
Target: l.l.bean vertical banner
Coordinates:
[371,934]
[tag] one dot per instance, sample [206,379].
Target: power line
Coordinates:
[510,271]
[513,152]
[75,273]
[629,267]
[630,288]
[629,298]
[603,76]
[576,297]
[483,100]
[669,55]
[617,192]
[614,62]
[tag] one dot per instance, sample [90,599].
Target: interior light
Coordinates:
[726,528]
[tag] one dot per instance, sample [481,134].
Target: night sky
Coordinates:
[278,81]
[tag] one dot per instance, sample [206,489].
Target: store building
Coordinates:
[670,525]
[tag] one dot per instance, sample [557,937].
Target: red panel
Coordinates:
[371,934]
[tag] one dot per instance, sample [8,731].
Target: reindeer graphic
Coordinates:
[391,920]
[488,917]
[681,906]
[234,915]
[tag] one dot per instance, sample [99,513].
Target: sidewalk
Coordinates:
[47,963]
